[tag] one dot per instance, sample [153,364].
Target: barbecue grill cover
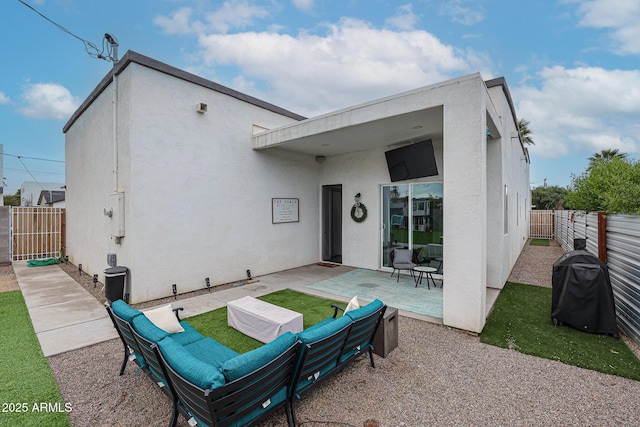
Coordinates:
[581,296]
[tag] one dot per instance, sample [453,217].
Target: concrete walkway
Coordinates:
[64,315]
[67,317]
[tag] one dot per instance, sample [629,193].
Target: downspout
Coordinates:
[115,131]
[117,196]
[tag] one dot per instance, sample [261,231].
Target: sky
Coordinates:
[572,66]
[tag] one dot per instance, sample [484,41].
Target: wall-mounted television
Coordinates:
[412,161]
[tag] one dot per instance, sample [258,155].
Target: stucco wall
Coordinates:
[197,197]
[88,166]
[364,172]
[504,248]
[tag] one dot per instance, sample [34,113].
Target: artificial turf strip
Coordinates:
[214,323]
[539,242]
[28,391]
[521,320]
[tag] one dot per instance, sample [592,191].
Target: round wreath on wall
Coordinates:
[359,212]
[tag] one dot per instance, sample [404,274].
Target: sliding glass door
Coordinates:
[412,219]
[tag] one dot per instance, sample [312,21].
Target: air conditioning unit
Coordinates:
[201,107]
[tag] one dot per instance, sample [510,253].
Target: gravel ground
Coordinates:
[437,376]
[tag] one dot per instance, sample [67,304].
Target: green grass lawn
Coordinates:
[214,323]
[28,390]
[539,242]
[521,320]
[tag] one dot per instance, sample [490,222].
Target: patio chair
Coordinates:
[402,259]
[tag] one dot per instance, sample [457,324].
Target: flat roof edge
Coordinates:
[366,104]
[137,58]
[501,81]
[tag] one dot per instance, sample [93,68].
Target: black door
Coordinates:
[332,223]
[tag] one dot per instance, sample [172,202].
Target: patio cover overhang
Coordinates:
[407,117]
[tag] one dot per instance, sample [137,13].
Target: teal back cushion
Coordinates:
[189,367]
[314,333]
[124,311]
[248,362]
[361,312]
[147,329]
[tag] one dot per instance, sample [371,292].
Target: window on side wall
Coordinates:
[506,210]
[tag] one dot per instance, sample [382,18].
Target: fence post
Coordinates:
[602,237]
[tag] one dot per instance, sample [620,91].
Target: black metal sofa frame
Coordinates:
[301,368]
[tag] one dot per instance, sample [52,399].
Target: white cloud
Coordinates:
[47,101]
[4,99]
[178,23]
[352,62]
[304,5]
[405,19]
[461,12]
[620,17]
[231,15]
[582,110]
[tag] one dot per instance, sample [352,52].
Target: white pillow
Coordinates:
[164,318]
[353,304]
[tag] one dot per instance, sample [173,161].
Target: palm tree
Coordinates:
[525,132]
[611,153]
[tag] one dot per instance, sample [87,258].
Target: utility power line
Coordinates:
[32,158]
[109,50]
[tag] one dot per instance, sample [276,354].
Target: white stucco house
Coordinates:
[183,179]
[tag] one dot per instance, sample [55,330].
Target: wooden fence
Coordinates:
[541,224]
[38,232]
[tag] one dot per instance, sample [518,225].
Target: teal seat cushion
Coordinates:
[190,367]
[248,362]
[361,312]
[210,351]
[124,311]
[189,335]
[323,329]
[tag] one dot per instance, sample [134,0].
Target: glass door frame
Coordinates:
[386,219]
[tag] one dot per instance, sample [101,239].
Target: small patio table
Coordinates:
[422,271]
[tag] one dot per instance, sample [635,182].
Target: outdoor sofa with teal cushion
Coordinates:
[239,391]
[328,346]
[213,385]
[124,315]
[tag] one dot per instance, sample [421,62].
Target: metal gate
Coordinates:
[541,224]
[38,232]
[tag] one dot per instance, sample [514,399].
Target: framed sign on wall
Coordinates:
[285,210]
